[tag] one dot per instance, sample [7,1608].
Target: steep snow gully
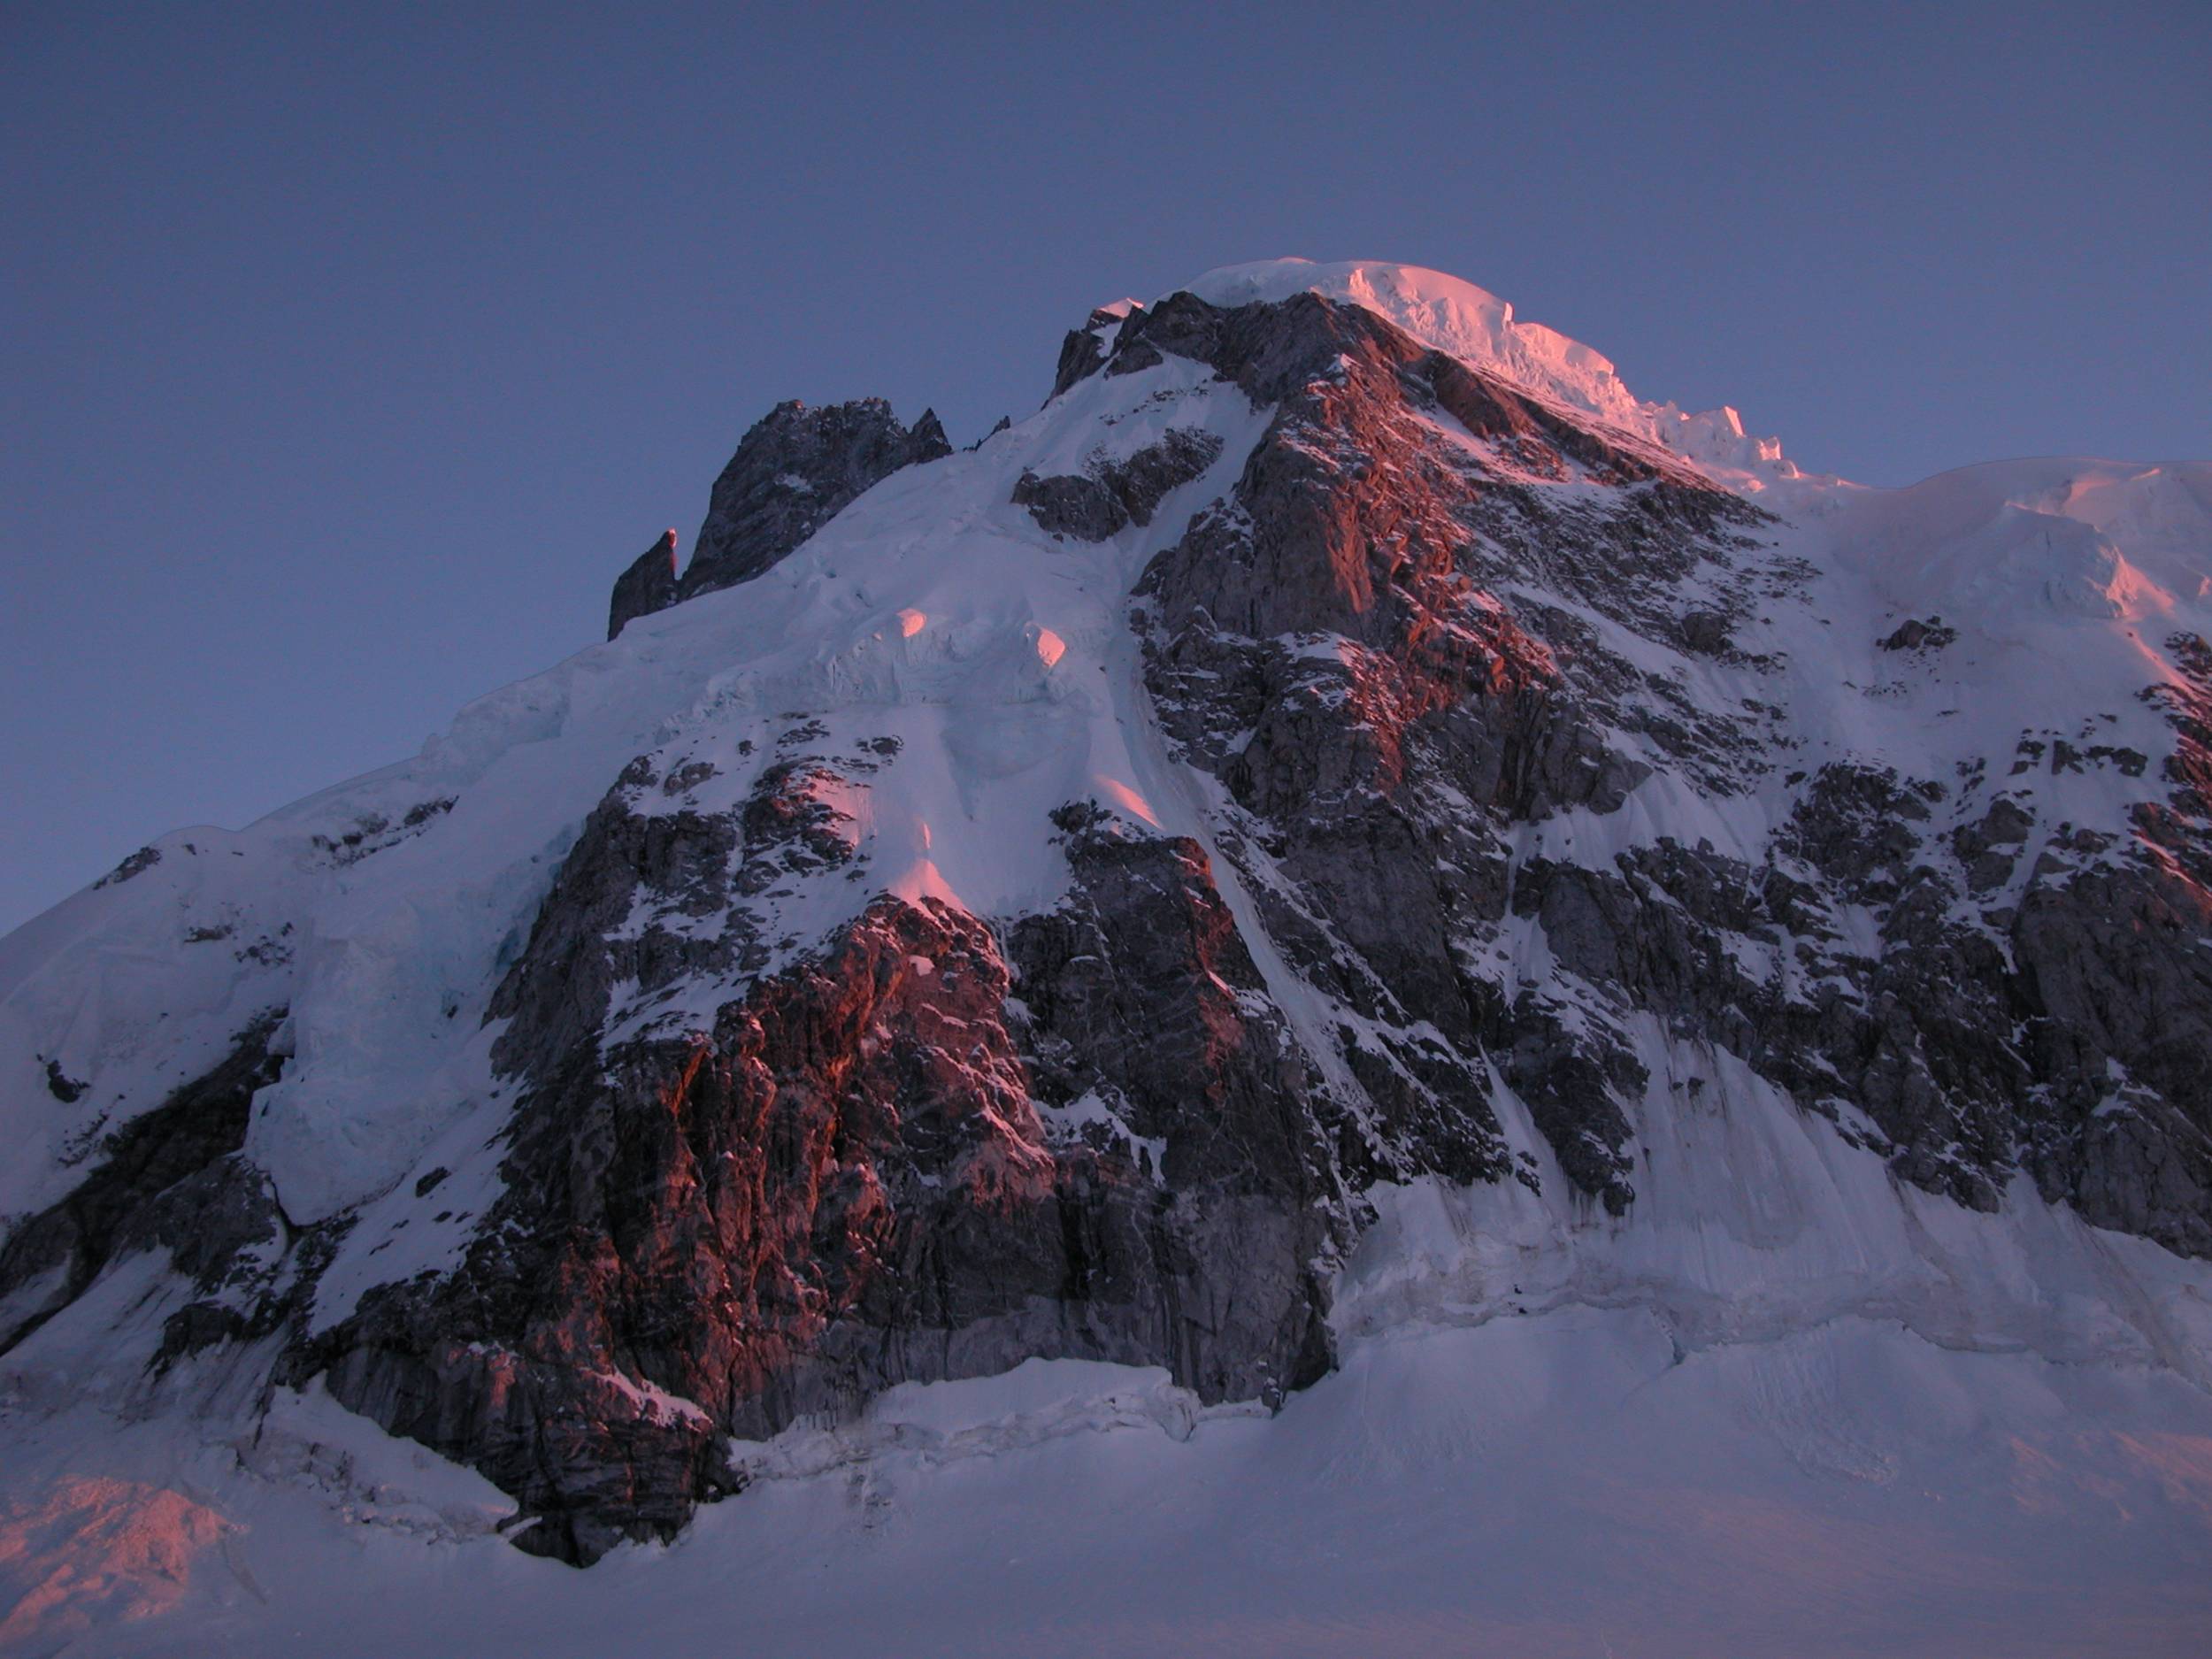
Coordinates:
[1349,992]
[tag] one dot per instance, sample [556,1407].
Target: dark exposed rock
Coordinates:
[1420,679]
[144,859]
[1130,989]
[648,586]
[1334,755]
[166,1177]
[1991,848]
[1912,635]
[854,1179]
[1071,504]
[1854,825]
[1706,632]
[1572,1089]
[794,471]
[558,994]
[373,832]
[1112,495]
[928,438]
[1083,353]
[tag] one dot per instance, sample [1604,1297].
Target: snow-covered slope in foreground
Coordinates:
[1476,327]
[1654,1010]
[1532,1488]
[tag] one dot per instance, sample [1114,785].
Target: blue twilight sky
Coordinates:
[349,351]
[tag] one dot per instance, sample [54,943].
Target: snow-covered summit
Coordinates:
[1476,327]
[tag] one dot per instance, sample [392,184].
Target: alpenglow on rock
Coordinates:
[1061,899]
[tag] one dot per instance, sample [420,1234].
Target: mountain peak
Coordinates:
[1454,316]
[1315,837]
[1479,328]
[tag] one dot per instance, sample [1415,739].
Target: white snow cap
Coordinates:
[1477,327]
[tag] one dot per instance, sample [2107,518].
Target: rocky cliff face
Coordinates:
[874,1167]
[1977,1039]
[648,586]
[1309,757]
[794,471]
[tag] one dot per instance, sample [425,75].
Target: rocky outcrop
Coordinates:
[794,471]
[170,1177]
[1351,644]
[879,1164]
[648,586]
[1083,352]
[1913,635]
[1331,642]
[1110,496]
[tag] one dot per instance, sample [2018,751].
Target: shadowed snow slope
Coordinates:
[1534,1487]
[1349,992]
